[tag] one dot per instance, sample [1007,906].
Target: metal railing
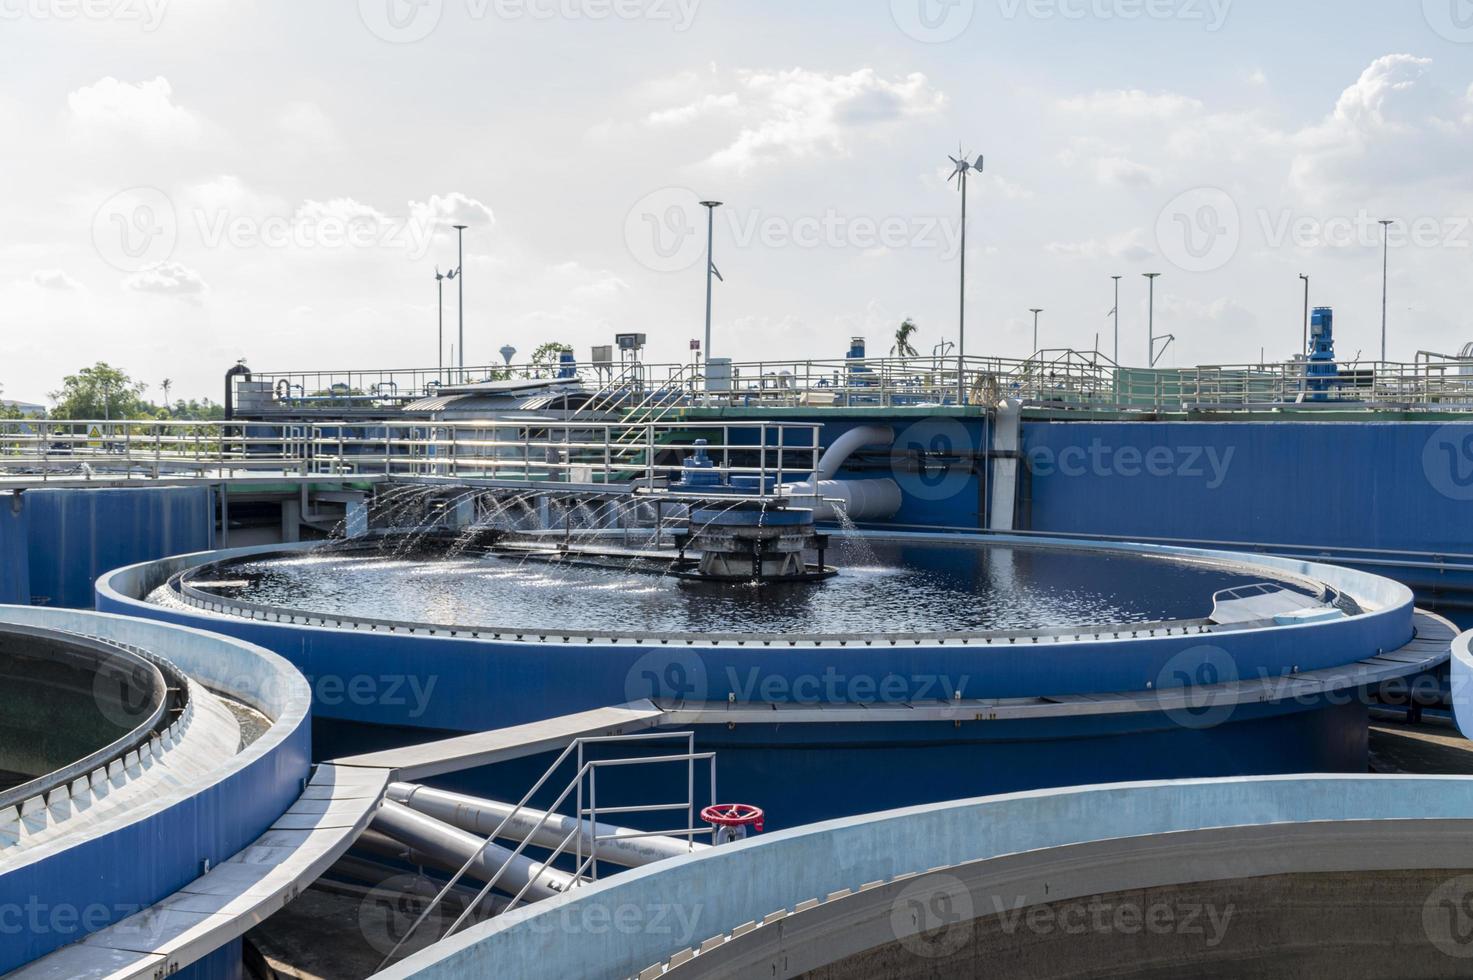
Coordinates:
[584,768]
[621,454]
[1065,380]
[884,381]
[148,449]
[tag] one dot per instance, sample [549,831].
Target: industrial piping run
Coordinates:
[629,848]
[859,500]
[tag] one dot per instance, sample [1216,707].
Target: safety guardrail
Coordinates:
[585,827]
[533,451]
[1065,379]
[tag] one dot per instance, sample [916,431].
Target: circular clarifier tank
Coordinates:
[884,588]
[70,705]
[930,667]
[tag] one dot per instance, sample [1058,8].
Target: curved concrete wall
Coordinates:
[61,892]
[609,929]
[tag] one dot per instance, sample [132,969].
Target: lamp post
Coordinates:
[440,342]
[1385,278]
[711,269]
[1035,313]
[1304,345]
[460,271]
[1151,319]
[1116,311]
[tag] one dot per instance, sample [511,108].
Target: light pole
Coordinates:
[1385,273]
[1304,344]
[440,342]
[1035,313]
[963,168]
[711,270]
[460,271]
[1116,311]
[1151,319]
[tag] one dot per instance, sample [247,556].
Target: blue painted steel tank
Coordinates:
[76,534]
[15,563]
[421,682]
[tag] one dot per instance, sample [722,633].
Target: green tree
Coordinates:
[902,346]
[101,392]
[548,354]
[197,411]
[8,411]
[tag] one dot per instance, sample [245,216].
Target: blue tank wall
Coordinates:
[1394,498]
[805,773]
[1399,486]
[77,534]
[465,683]
[15,566]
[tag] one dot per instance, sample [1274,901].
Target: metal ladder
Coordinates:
[585,867]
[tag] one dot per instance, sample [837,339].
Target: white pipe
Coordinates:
[1007,442]
[860,500]
[847,444]
[482,817]
[451,844]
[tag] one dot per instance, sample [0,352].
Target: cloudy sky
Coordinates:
[183,184]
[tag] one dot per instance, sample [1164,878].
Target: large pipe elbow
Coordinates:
[847,445]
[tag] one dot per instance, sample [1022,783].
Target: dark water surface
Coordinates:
[881,588]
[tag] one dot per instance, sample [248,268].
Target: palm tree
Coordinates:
[902,346]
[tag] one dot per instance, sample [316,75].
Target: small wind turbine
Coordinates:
[963,168]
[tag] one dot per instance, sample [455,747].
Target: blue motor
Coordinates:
[854,362]
[699,472]
[1320,373]
[567,365]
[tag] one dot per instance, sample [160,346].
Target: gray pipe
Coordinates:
[451,844]
[482,817]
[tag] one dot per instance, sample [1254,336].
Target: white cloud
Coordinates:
[339,211]
[454,208]
[996,184]
[54,279]
[1130,245]
[305,123]
[228,193]
[798,113]
[112,109]
[680,115]
[1132,105]
[1394,127]
[166,279]
[1120,172]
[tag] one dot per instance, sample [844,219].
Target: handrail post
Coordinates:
[593,815]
